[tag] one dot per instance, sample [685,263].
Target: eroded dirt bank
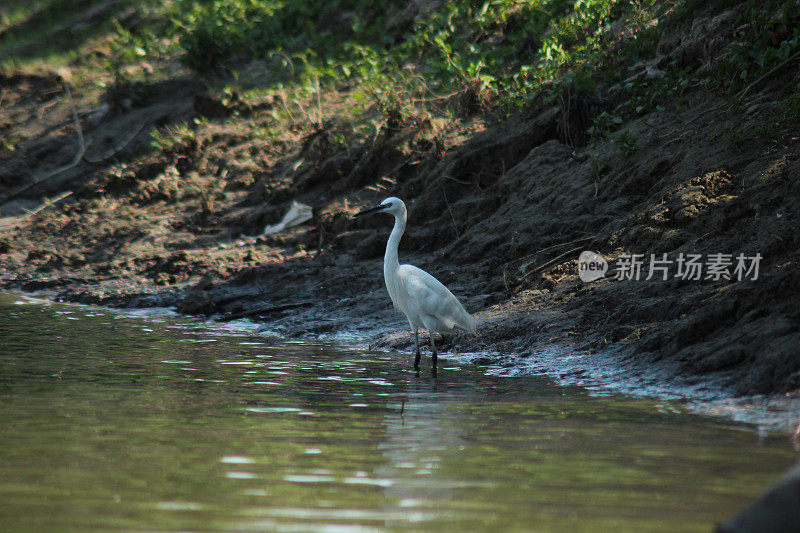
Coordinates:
[500,209]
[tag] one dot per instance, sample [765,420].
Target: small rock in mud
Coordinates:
[197,303]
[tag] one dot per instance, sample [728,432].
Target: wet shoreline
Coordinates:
[599,373]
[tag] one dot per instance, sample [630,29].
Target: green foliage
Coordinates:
[604,124]
[128,89]
[53,31]
[509,53]
[625,142]
[170,137]
[217,30]
[509,47]
[768,35]
[790,107]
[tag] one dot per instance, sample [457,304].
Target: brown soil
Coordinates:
[499,212]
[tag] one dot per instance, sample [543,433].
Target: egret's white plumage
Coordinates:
[424,301]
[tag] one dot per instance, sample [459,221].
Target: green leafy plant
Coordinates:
[516,49]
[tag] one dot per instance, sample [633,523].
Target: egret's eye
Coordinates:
[389,204]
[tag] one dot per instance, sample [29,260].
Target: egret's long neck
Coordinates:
[390,259]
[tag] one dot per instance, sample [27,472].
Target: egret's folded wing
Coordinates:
[433,299]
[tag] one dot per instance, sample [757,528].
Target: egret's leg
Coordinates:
[416,343]
[433,355]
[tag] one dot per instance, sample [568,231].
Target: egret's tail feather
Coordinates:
[473,323]
[467,322]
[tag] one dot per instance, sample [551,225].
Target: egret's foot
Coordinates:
[434,364]
[416,360]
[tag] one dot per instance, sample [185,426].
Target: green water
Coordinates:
[124,423]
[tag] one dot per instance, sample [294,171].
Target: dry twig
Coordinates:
[119,147]
[772,71]
[48,203]
[77,159]
[551,262]
[553,247]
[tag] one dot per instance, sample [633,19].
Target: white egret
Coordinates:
[418,295]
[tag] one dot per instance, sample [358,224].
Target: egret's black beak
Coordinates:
[375,209]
